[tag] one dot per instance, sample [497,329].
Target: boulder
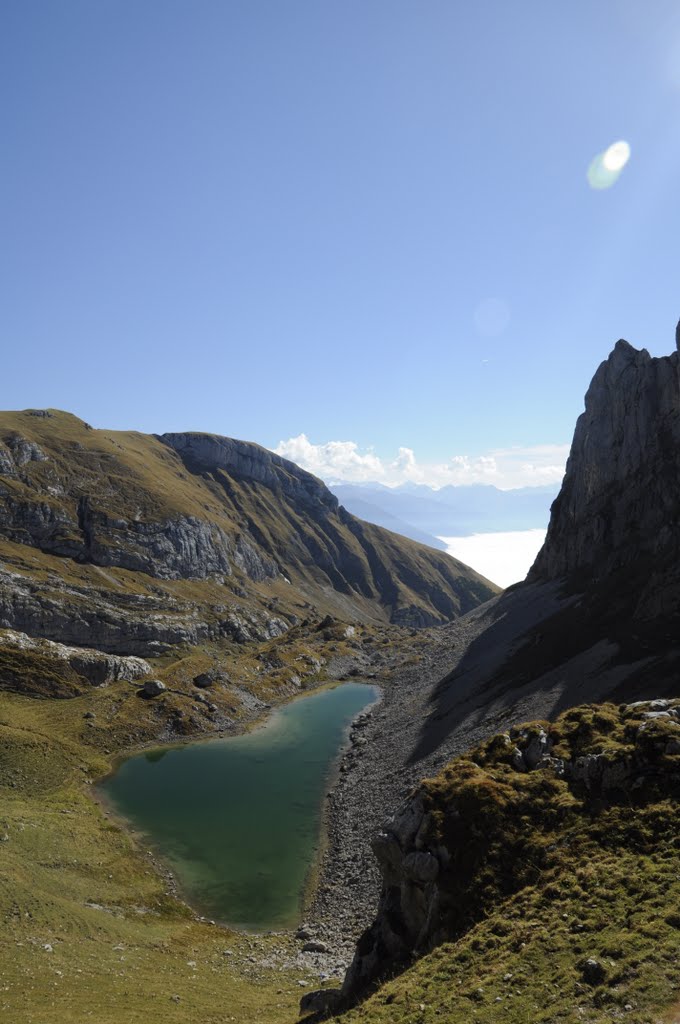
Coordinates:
[324,1001]
[594,973]
[153,688]
[315,946]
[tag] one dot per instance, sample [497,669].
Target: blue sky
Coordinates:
[269,218]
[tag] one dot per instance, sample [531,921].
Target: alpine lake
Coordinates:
[238,819]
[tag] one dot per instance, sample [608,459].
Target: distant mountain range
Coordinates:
[425,514]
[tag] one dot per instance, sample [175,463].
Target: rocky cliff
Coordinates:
[618,507]
[210,453]
[599,614]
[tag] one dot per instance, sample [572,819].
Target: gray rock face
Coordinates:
[210,452]
[618,502]
[95,666]
[119,622]
[180,547]
[16,451]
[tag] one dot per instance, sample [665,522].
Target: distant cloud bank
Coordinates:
[504,558]
[506,468]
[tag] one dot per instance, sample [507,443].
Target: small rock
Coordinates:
[89,714]
[204,680]
[153,688]
[315,947]
[593,971]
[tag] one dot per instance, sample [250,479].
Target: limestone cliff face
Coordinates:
[210,453]
[618,507]
[599,614]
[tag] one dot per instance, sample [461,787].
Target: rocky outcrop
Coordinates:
[211,453]
[183,547]
[461,839]
[617,511]
[16,451]
[120,622]
[598,616]
[96,667]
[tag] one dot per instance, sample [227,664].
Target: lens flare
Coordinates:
[617,156]
[606,167]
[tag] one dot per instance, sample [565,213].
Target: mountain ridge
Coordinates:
[215,521]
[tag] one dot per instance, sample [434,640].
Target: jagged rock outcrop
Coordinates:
[490,822]
[618,506]
[598,616]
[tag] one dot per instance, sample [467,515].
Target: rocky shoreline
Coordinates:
[372,780]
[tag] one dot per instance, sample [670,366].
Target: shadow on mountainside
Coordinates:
[545,647]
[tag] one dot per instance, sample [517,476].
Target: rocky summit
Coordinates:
[599,613]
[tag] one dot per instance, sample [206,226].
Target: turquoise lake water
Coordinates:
[238,820]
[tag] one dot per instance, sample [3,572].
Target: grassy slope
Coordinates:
[551,884]
[126,957]
[63,852]
[545,878]
[135,476]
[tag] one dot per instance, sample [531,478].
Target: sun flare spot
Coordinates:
[617,156]
[606,167]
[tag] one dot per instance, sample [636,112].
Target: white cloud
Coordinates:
[504,558]
[336,461]
[339,460]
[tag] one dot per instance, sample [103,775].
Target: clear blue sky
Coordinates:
[267,217]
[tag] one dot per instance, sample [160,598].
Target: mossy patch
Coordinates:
[38,675]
